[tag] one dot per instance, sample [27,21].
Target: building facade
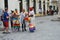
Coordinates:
[42,5]
[54,4]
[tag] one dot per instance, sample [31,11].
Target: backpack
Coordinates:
[2,17]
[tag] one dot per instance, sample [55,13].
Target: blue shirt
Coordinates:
[5,16]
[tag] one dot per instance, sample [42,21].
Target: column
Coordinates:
[50,2]
[59,9]
[24,4]
[17,6]
[31,3]
[2,4]
[37,6]
[45,7]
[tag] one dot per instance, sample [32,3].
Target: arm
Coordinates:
[7,15]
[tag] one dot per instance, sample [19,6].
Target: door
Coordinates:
[34,5]
[6,3]
[20,5]
[27,5]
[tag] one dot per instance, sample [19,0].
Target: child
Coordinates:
[22,16]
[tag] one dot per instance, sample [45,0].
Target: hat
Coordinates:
[31,8]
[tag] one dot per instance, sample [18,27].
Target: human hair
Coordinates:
[6,9]
[12,11]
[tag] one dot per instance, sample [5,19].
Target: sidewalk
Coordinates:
[38,15]
[56,18]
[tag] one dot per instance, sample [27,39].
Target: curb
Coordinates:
[38,15]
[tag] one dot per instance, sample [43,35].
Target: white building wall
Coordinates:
[37,6]
[50,2]
[31,3]
[46,7]
[12,5]
[59,8]
[2,4]
[17,6]
[24,5]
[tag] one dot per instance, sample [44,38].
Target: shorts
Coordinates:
[6,24]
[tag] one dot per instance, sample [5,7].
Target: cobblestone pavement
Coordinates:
[45,30]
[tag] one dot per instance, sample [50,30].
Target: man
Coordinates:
[22,16]
[6,21]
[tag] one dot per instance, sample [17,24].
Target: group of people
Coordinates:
[21,19]
[52,12]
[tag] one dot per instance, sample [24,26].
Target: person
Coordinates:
[40,11]
[32,21]
[6,21]
[22,16]
[11,18]
[16,11]
[51,12]
[15,21]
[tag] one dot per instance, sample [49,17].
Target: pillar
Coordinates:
[24,4]
[50,2]
[2,4]
[46,7]
[59,8]
[37,6]
[31,3]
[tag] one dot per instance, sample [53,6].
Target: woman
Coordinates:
[15,21]
[32,21]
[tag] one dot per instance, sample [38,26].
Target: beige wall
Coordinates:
[12,5]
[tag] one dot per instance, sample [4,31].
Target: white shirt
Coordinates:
[22,16]
[31,13]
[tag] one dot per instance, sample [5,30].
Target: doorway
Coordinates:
[20,5]
[44,7]
[34,5]
[27,5]
[6,3]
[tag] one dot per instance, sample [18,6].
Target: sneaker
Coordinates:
[6,32]
[22,30]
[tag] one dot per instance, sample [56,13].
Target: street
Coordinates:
[45,30]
